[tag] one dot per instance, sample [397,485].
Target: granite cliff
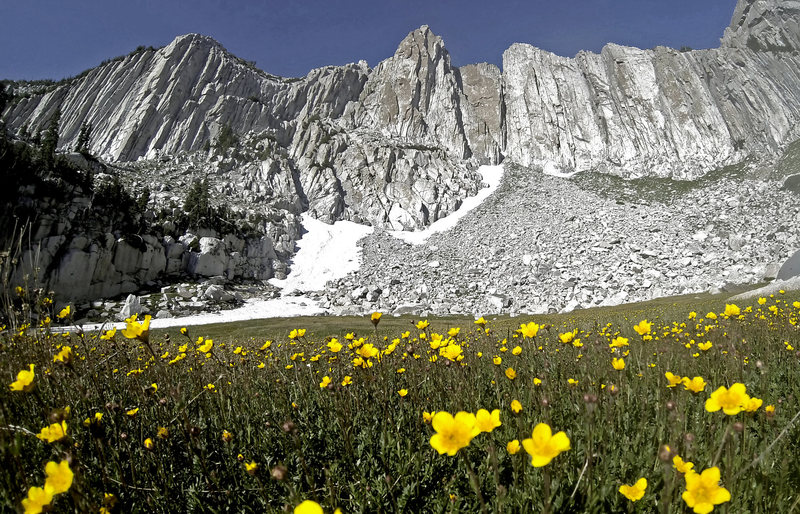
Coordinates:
[362,141]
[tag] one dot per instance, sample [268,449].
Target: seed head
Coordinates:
[279,472]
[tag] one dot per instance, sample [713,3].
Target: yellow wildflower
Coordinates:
[513,447]
[566,337]
[731,401]
[453,432]
[703,491]
[619,342]
[681,466]
[643,327]
[24,381]
[695,385]
[673,379]
[485,421]
[65,355]
[54,432]
[529,330]
[634,492]
[59,476]
[38,498]
[543,446]
[731,310]
[752,404]
[109,334]
[136,330]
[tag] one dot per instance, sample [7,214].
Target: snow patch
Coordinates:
[285,307]
[325,252]
[550,168]
[491,175]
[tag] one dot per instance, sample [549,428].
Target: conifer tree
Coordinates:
[84,137]
[50,139]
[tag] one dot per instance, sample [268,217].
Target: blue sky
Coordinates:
[57,38]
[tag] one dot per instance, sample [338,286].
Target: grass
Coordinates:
[363,447]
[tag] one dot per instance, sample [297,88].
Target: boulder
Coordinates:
[790,268]
[211,260]
[131,306]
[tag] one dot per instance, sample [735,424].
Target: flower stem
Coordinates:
[546,477]
[473,479]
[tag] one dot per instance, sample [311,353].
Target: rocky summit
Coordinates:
[630,173]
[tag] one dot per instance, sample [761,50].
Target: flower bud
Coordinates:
[670,406]
[665,453]
[289,427]
[545,402]
[738,427]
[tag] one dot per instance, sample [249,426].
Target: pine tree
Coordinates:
[197,203]
[24,132]
[5,97]
[84,136]
[50,140]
